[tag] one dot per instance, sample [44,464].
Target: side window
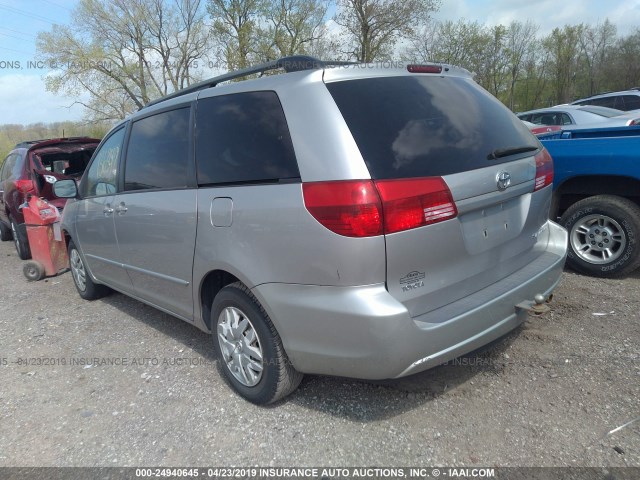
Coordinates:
[158,151]
[631,102]
[605,102]
[9,167]
[566,119]
[243,138]
[102,174]
[3,169]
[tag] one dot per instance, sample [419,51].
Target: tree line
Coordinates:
[12,134]
[117,55]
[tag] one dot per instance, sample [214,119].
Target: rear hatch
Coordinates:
[54,160]
[461,179]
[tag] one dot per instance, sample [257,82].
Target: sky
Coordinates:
[24,99]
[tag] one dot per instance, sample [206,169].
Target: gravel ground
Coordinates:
[546,395]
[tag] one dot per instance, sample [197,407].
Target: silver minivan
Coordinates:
[353,220]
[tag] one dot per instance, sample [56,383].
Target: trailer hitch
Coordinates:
[538,307]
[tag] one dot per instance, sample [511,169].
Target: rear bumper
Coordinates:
[363,332]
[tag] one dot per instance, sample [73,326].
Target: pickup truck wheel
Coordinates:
[249,350]
[86,287]
[603,235]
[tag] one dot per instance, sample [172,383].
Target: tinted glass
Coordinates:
[547,118]
[158,151]
[605,102]
[426,126]
[7,166]
[243,138]
[101,177]
[631,102]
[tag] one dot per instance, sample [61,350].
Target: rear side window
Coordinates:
[243,138]
[427,126]
[158,151]
[609,102]
[8,167]
[631,102]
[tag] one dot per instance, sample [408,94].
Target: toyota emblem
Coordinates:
[504,180]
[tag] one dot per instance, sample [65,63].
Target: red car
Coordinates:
[32,168]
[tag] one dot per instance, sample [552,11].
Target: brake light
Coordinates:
[366,208]
[544,170]
[415,202]
[633,123]
[349,208]
[25,186]
[424,68]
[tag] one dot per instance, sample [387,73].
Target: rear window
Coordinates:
[427,126]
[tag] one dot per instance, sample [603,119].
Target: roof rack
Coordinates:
[293,63]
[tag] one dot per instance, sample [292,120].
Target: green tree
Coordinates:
[124,53]
[562,45]
[235,30]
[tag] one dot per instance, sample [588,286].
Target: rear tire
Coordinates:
[21,243]
[603,236]
[86,287]
[249,350]
[5,232]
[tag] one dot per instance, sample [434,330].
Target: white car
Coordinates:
[569,115]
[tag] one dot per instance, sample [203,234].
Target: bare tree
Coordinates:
[293,27]
[124,53]
[373,27]
[519,41]
[595,43]
[624,69]
[461,43]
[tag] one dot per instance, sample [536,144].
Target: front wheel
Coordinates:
[249,350]
[603,235]
[86,287]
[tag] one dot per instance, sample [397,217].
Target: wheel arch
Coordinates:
[210,285]
[577,188]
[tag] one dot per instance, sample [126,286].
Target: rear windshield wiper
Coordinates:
[505,152]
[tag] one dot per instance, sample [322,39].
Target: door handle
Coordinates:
[121,209]
[107,210]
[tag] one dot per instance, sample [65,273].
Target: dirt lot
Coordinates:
[545,395]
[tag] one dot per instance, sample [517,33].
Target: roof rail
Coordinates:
[293,63]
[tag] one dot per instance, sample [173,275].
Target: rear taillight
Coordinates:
[415,202]
[544,170]
[633,123]
[25,186]
[349,208]
[366,208]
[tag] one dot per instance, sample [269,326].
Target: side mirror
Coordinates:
[65,189]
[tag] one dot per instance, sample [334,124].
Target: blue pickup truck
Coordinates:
[597,197]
